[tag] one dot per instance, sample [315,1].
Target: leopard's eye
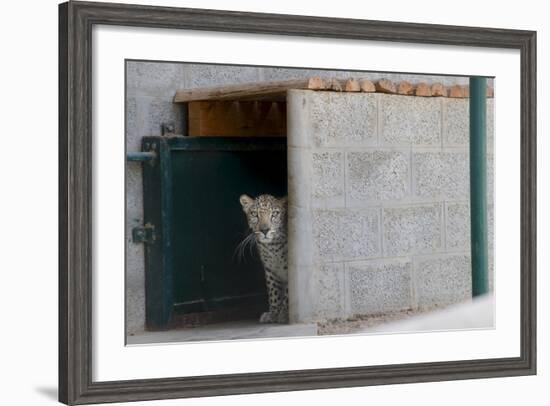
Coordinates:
[253,213]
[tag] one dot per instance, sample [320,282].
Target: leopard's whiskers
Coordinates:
[240,250]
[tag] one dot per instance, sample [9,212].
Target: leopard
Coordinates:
[266,216]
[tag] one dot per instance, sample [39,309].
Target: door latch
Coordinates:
[144,234]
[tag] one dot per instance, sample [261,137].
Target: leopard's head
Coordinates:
[266,216]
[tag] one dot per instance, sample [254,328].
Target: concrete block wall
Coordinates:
[378,203]
[149,93]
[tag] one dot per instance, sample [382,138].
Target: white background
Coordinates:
[28,168]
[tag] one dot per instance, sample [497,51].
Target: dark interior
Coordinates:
[211,282]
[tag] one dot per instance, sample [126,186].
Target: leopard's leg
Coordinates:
[282,313]
[275,295]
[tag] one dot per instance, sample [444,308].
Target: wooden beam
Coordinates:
[237,118]
[247,91]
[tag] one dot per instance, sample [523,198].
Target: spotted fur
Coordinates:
[267,219]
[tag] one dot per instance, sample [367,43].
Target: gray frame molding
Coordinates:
[76,20]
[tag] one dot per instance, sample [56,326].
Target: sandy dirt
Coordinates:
[361,323]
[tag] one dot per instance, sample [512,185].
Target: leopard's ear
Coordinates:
[284,200]
[246,201]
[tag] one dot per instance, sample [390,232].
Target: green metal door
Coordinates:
[194,207]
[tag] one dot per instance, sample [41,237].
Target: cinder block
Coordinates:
[379,286]
[456,122]
[413,229]
[343,119]
[442,280]
[157,79]
[330,292]
[137,120]
[458,226]
[135,269]
[345,234]
[441,175]
[197,75]
[406,120]
[446,175]
[269,74]
[134,197]
[135,304]
[326,225]
[161,112]
[145,117]
[328,174]
[377,176]
[133,140]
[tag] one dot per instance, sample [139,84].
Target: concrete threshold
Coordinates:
[237,330]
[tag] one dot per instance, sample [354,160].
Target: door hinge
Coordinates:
[144,234]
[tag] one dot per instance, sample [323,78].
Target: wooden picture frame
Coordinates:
[76,20]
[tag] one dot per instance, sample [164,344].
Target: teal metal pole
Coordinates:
[478,185]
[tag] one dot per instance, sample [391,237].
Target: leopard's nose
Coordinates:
[264,230]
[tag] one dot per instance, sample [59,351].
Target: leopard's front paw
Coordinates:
[266,317]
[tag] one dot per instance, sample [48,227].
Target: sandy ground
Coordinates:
[475,314]
[360,323]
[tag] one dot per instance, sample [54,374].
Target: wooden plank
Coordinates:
[237,118]
[248,91]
